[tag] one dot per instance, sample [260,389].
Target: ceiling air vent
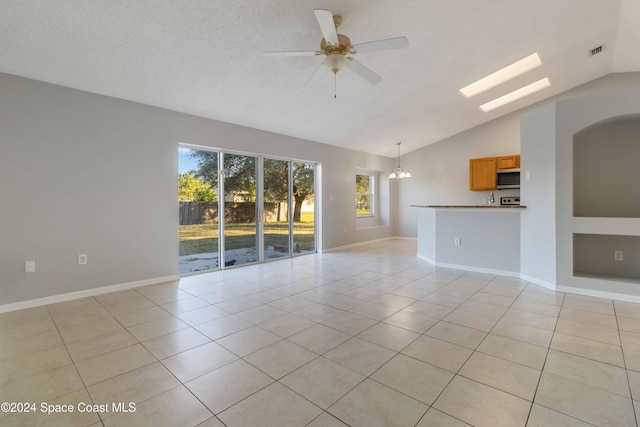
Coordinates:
[596,50]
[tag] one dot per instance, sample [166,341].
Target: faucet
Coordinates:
[492,199]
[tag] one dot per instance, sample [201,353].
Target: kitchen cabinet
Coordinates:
[508,162]
[482,174]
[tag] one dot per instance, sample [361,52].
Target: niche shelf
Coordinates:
[593,257]
[606,201]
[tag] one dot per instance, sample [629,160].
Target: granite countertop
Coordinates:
[471,206]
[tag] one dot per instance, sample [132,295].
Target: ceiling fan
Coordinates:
[339,51]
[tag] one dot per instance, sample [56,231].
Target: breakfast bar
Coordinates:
[475,238]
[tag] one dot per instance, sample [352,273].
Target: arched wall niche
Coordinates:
[606,169]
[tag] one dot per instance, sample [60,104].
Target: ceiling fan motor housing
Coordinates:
[342,48]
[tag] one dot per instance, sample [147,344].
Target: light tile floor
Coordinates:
[371,336]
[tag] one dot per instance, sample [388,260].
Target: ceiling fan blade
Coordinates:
[327,26]
[293,53]
[317,73]
[363,71]
[376,46]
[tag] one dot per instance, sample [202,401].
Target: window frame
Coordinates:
[371,194]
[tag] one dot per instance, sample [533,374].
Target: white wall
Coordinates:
[605,167]
[490,239]
[84,173]
[537,221]
[548,225]
[573,116]
[441,170]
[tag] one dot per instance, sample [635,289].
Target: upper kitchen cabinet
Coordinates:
[508,162]
[482,174]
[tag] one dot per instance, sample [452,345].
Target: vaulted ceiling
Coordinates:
[203,57]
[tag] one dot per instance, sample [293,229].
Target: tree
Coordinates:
[363,194]
[302,186]
[276,184]
[193,189]
[240,176]
[240,173]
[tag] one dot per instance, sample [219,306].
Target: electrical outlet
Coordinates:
[457,241]
[29,266]
[82,259]
[618,256]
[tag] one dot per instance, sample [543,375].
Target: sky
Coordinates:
[185,162]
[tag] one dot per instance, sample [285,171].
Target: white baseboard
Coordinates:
[538,282]
[479,269]
[470,268]
[582,291]
[598,294]
[366,242]
[53,299]
[429,260]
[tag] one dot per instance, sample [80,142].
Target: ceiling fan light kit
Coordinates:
[335,62]
[339,51]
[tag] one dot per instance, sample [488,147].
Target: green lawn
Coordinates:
[202,238]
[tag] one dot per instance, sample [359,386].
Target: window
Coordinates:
[365,195]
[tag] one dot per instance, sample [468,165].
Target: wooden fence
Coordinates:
[192,213]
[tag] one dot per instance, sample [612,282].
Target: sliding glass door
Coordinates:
[240,210]
[198,228]
[275,213]
[304,208]
[266,209]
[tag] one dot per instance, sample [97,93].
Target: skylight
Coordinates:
[505,74]
[516,94]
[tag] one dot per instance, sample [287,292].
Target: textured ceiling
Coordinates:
[203,57]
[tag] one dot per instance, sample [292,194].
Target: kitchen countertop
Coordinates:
[471,206]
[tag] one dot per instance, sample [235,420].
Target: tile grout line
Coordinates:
[535,393]
[457,373]
[624,360]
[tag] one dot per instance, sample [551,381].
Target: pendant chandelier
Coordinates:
[398,172]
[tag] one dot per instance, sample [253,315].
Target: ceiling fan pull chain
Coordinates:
[335,90]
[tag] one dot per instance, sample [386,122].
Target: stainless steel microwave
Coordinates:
[508,178]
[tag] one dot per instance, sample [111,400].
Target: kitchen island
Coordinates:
[476,238]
